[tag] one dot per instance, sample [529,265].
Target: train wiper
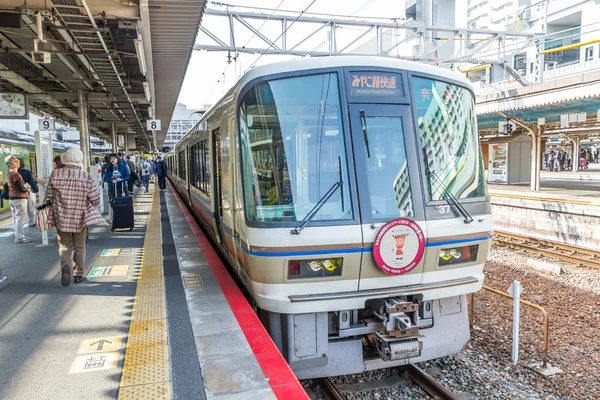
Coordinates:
[363,123]
[311,214]
[448,196]
[450,199]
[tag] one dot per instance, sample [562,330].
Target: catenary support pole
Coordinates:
[84,134]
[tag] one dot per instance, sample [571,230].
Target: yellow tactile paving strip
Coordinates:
[146,372]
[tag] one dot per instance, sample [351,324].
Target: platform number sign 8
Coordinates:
[46,124]
[153,124]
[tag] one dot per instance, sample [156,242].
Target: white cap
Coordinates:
[8,158]
[73,156]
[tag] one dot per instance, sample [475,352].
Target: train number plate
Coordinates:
[403,350]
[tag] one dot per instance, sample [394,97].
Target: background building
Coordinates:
[182,121]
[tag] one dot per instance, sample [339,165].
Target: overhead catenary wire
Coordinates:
[282,33]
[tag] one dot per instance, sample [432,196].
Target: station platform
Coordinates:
[157,317]
[565,211]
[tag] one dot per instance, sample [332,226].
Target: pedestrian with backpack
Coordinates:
[145,172]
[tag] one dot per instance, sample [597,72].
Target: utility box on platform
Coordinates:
[509,159]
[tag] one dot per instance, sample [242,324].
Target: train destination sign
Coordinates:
[376,84]
[399,246]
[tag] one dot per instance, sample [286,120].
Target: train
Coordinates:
[348,196]
[22,146]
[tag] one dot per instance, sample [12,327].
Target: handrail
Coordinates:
[527,303]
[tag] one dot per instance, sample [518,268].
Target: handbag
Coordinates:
[43,216]
[92,217]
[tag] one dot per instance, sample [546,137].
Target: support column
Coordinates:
[125,138]
[115,145]
[539,156]
[575,156]
[533,168]
[84,134]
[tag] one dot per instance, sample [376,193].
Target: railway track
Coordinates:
[572,254]
[432,387]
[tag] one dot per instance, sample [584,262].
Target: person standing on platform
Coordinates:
[33,190]
[145,172]
[116,173]
[99,170]
[152,169]
[161,172]
[17,198]
[74,196]
[132,174]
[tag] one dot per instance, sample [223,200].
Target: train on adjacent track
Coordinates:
[348,195]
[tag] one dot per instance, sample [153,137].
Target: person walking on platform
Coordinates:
[116,172]
[33,190]
[74,195]
[17,198]
[145,172]
[161,172]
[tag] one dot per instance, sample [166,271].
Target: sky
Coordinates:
[200,86]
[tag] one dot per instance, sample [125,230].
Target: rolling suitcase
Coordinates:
[122,211]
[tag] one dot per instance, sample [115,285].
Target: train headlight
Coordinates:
[458,255]
[315,268]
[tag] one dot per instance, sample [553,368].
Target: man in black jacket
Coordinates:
[31,200]
[161,172]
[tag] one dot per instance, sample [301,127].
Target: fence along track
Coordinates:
[572,254]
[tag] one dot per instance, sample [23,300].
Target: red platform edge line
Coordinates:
[282,380]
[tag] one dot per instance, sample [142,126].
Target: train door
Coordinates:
[387,173]
[222,194]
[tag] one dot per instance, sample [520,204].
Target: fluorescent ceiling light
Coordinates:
[139,50]
[147,91]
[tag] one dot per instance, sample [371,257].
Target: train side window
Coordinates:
[181,166]
[202,185]
[206,167]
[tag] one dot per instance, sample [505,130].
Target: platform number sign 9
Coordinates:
[46,124]
[153,124]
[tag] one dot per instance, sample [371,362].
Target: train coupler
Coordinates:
[399,340]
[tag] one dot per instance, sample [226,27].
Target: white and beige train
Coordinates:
[348,194]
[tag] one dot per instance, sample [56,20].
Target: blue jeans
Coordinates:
[145,181]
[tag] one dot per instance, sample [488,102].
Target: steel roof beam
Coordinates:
[421,33]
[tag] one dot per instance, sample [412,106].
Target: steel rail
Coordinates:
[573,254]
[330,389]
[428,383]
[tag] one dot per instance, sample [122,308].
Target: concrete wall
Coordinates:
[572,224]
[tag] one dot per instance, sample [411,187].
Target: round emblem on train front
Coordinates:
[399,246]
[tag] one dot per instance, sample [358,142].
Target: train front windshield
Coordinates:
[293,151]
[446,125]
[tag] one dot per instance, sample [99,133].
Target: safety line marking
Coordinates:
[146,370]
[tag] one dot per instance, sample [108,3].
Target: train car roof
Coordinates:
[349,61]
[307,64]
